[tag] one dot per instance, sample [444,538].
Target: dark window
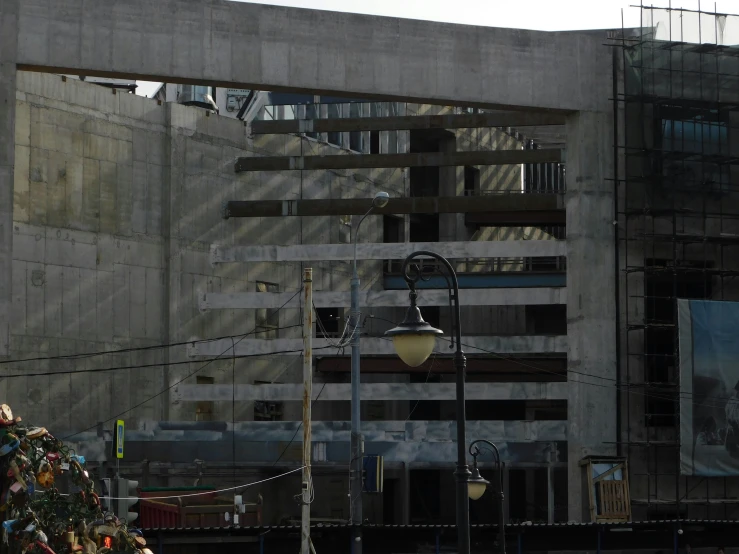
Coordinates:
[311,112]
[374,142]
[328,322]
[334,112]
[471,181]
[355,137]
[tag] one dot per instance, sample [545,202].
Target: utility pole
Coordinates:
[305,542]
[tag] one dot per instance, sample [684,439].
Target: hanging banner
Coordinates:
[709,387]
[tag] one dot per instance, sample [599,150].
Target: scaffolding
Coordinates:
[677,190]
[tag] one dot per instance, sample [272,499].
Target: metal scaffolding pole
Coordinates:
[305,542]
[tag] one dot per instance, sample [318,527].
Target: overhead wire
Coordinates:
[681,394]
[132,349]
[206,364]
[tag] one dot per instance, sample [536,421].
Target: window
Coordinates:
[204,409]
[355,137]
[471,181]
[311,112]
[267,411]
[328,322]
[334,112]
[374,135]
[267,319]
[345,228]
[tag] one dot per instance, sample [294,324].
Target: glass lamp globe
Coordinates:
[414,339]
[476,485]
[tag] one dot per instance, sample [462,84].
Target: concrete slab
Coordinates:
[387,298]
[375,346]
[371,391]
[387,251]
[247,45]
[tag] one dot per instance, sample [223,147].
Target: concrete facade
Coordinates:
[118,203]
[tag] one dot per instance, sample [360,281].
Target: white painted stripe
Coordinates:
[389,251]
[384,298]
[375,346]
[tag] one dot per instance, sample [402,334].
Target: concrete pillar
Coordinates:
[171,203]
[591,306]
[8,51]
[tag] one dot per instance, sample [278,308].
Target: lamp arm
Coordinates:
[356,235]
[452,287]
[474,451]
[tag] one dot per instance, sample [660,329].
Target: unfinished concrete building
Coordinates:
[157,250]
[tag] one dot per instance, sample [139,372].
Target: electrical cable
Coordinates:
[342,343]
[218,491]
[142,366]
[300,425]
[681,394]
[206,364]
[133,349]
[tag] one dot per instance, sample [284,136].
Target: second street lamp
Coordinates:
[477,486]
[414,341]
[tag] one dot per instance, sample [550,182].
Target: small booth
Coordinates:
[606,484]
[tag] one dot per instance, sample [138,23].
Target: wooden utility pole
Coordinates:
[305,542]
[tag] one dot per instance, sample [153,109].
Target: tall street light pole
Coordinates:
[355,461]
[414,341]
[477,486]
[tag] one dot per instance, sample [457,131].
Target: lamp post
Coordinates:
[355,461]
[414,340]
[477,486]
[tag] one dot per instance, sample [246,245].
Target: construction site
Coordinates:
[153,251]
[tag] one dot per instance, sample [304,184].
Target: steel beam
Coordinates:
[506,204]
[511,368]
[408,123]
[422,159]
[515,218]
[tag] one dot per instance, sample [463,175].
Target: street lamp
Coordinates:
[355,461]
[414,341]
[477,486]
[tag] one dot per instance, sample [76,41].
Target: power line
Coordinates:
[680,394]
[300,425]
[206,364]
[133,349]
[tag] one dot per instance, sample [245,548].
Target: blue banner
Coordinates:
[709,387]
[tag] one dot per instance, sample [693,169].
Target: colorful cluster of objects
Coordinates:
[36,517]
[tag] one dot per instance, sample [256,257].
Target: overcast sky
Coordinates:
[544,15]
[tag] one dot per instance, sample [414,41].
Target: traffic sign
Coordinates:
[118,439]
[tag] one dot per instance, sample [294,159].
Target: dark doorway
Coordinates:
[388,501]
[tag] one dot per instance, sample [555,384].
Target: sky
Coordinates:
[542,15]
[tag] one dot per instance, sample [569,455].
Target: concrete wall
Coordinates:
[117,203]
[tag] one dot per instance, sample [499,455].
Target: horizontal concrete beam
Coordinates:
[422,159]
[372,391]
[524,206]
[376,346]
[388,251]
[401,431]
[247,45]
[383,298]
[183,445]
[409,122]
